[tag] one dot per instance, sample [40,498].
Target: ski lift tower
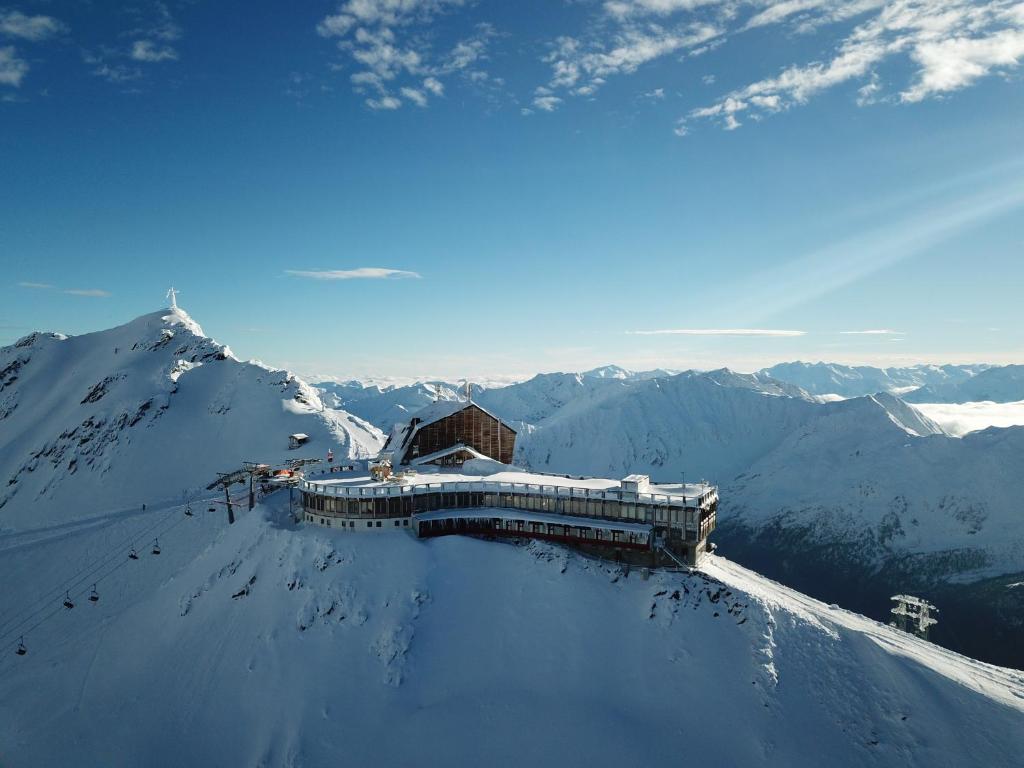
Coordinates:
[226,480]
[913,615]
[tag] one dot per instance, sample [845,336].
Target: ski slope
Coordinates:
[269,644]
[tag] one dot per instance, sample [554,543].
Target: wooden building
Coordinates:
[449,433]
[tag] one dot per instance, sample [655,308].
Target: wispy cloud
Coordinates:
[94,293]
[32,28]
[148,51]
[873,332]
[718,332]
[12,68]
[950,44]
[579,67]
[396,64]
[362,273]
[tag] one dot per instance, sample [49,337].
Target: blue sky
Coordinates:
[444,188]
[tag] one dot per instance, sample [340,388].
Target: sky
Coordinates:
[449,188]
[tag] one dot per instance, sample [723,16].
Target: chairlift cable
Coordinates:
[84,575]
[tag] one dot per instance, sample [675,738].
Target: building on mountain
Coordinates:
[449,433]
[448,471]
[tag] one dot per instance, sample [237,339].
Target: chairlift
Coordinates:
[94,596]
[67,601]
[188,511]
[22,650]
[212,509]
[156,546]
[132,555]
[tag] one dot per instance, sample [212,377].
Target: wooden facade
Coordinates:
[471,426]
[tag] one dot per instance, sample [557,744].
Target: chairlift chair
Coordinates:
[156,546]
[22,650]
[188,511]
[67,601]
[94,596]
[132,555]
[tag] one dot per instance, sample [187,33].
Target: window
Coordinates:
[369,523]
[405,523]
[378,523]
[396,523]
[351,523]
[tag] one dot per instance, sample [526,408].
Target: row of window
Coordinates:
[333,523]
[529,527]
[404,506]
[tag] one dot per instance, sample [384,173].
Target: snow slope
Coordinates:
[270,644]
[870,471]
[143,413]
[1001,385]
[385,406]
[711,425]
[856,381]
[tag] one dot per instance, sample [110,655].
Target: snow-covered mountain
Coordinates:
[856,381]
[382,405]
[144,413]
[272,644]
[1004,384]
[801,479]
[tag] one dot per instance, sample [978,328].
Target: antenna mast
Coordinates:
[172,294]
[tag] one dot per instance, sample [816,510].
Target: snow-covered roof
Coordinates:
[299,436]
[533,482]
[442,409]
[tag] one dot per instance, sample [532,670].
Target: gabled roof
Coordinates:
[448,451]
[403,432]
[442,409]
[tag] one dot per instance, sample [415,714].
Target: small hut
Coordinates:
[297,440]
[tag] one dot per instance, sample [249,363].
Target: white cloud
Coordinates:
[148,51]
[385,13]
[32,28]
[384,102]
[94,293]
[625,8]
[954,63]
[952,43]
[383,37]
[89,292]
[416,97]
[12,68]
[546,103]
[876,332]
[630,47]
[362,273]
[718,332]
[960,418]
[434,85]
